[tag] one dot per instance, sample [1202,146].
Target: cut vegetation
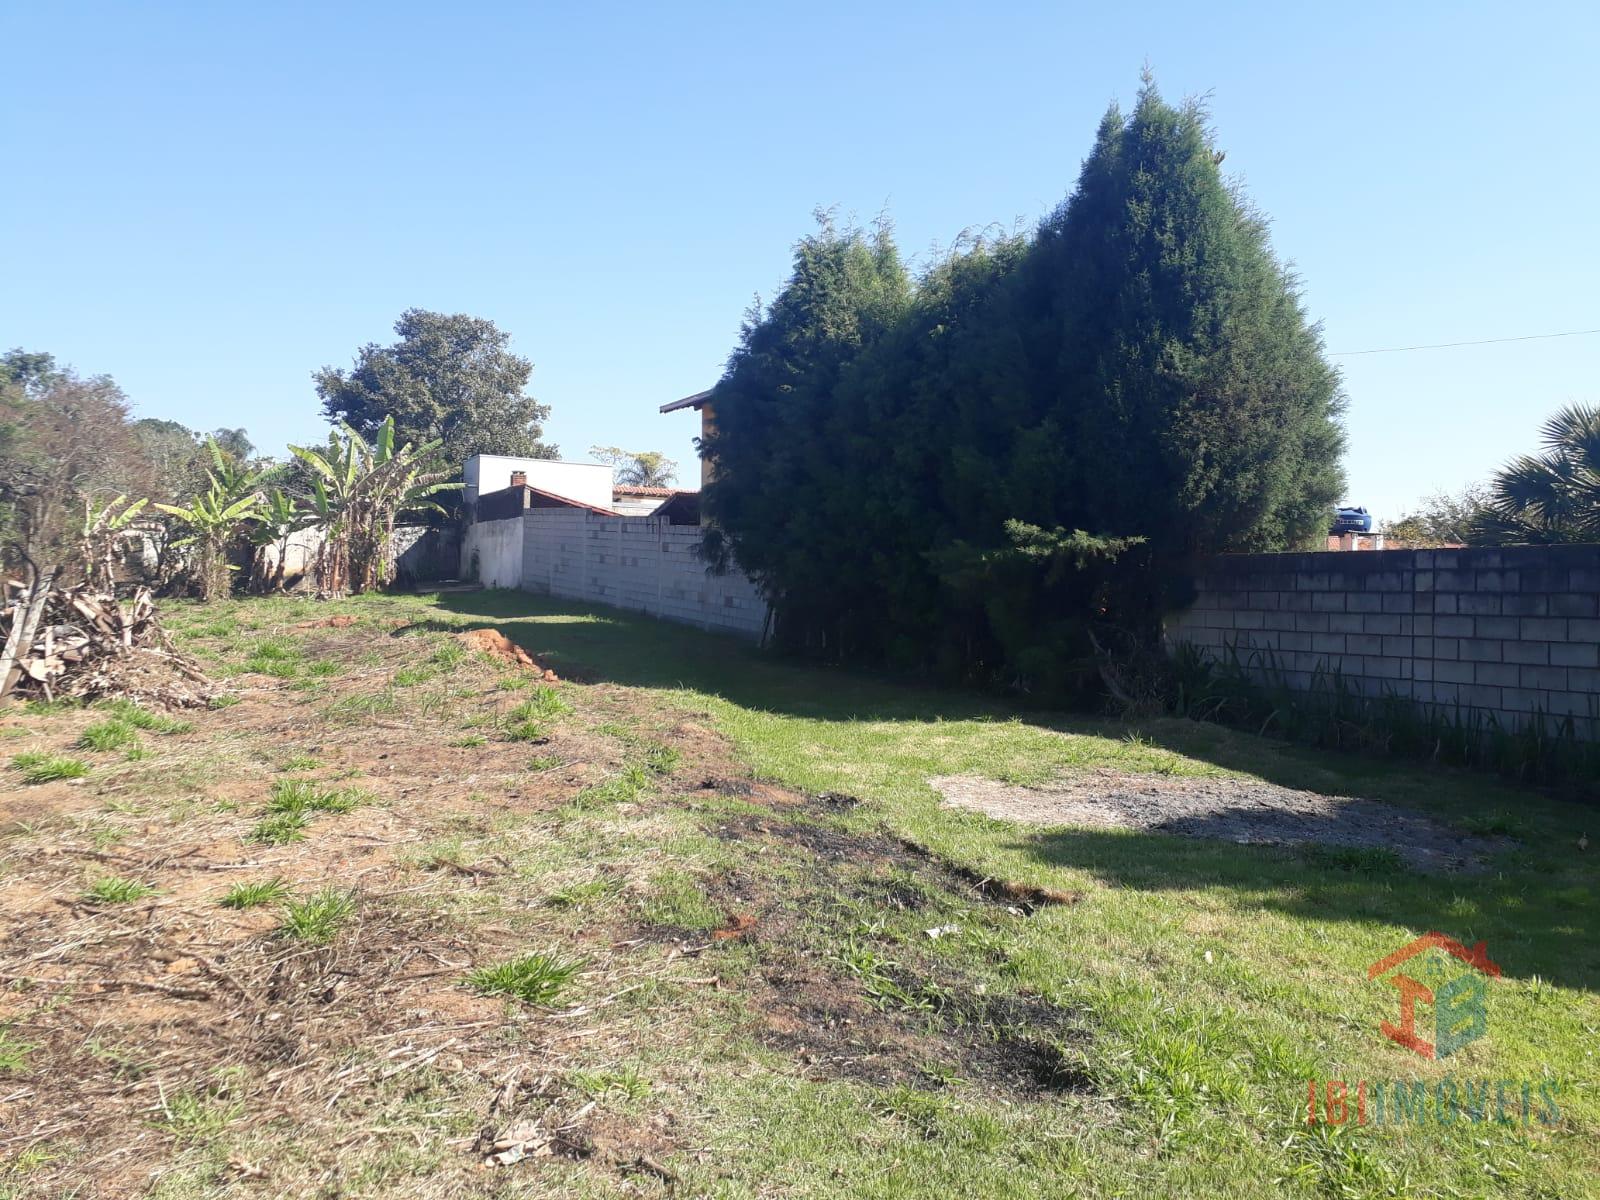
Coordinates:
[730,929]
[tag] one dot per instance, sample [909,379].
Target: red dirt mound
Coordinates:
[497,645]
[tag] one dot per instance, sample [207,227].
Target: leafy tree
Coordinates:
[1552,496]
[1443,519]
[449,379]
[66,449]
[637,468]
[359,490]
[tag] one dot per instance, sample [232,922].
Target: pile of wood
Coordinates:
[77,642]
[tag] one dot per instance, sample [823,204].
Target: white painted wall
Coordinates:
[588,483]
[498,547]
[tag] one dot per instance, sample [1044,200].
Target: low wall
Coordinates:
[641,563]
[1511,632]
[491,553]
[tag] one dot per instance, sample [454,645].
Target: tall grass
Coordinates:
[1252,690]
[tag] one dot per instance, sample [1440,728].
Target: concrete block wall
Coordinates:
[638,563]
[1509,631]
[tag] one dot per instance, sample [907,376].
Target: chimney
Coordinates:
[519,479]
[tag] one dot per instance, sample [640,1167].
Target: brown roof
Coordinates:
[628,489]
[694,401]
[511,501]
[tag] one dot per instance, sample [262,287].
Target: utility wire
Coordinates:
[1532,337]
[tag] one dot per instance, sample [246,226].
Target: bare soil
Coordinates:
[131,1011]
[1243,811]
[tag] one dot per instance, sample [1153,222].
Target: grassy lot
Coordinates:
[406,921]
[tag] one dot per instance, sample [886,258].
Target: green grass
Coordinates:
[39,767]
[108,735]
[110,889]
[132,714]
[280,829]
[254,894]
[197,1116]
[13,1051]
[300,762]
[1205,1061]
[1199,983]
[539,979]
[306,796]
[318,917]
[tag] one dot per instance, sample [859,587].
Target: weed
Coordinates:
[322,668]
[108,735]
[253,895]
[1365,860]
[109,889]
[37,767]
[526,731]
[662,760]
[411,676]
[13,1051]
[471,742]
[303,796]
[300,762]
[225,700]
[318,917]
[544,762]
[363,705]
[582,893]
[1497,823]
[622,788]
[195,1116]
[625,1081]
[280,829]
[543,703]
[130,713]
[448,654]
[123,1064]
[533,978]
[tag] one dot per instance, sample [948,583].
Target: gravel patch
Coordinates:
[1249,812]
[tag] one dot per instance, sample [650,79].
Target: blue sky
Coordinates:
[210,201]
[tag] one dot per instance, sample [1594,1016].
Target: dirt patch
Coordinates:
[498,646]
[896,1016]
[1248,812]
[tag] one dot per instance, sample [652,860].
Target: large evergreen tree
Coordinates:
[1041,435]
[1183,354]
[782,488]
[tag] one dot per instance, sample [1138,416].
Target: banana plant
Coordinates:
[274,522]
[359,489]
[102,523]
[215,518]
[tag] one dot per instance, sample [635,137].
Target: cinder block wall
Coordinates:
[639,563]
[1510,632]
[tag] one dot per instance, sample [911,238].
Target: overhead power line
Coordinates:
[1532,337]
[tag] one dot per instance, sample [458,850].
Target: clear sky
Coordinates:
[209,201]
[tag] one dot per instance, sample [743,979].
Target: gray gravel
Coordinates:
[1245,811]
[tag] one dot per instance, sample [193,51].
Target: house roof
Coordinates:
[695,401]
[628,489]
[532,497]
